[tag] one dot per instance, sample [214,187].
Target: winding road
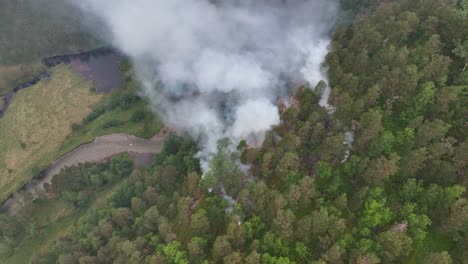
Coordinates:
[101,149]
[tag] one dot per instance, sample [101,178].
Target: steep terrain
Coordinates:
[379,178]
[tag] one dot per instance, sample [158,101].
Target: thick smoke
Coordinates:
[217,68]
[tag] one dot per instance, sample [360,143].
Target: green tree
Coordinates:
[267,259]
[418,222]
[223,166]
[367,259]
[122,216]
[274,245]
[370,127]
[458,216]
[235,234]
[414,161]
[233,258]
[173,253]
[430,131]
[440,258]
[283,223]
[383,144]
[288,164]
[253,258]
[254,227]
[200,223]
[151,217]
[461,51]
[333,255]
[332,148]
[381,169]
[395,245]
[375,212]
[221,248]
[196,248]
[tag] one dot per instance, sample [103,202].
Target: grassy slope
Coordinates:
[56,215]
[37,122]
[58,218]
[36,128]
[145,129]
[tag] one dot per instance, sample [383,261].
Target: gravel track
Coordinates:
[101,149]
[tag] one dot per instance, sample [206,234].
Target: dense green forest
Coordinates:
[393,192]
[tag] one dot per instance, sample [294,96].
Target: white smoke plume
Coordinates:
[216,68]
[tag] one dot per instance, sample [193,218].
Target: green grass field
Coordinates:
[144,129]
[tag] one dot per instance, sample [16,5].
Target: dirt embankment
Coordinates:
[101,149]
[83,56]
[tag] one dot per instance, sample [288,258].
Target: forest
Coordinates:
[379,178]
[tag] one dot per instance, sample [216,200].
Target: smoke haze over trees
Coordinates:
[217,68]
[394,192]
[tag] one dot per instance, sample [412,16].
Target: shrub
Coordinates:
[126,99]
[112,123]
[75,127]
[99,110]
[121,99]
[23,145]
[139,115]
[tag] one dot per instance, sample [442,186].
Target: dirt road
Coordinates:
[99,150]
[105,147]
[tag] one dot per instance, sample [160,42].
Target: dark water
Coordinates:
[103,71]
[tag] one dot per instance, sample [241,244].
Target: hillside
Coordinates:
[379,177]
[33,29]
[32,131]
